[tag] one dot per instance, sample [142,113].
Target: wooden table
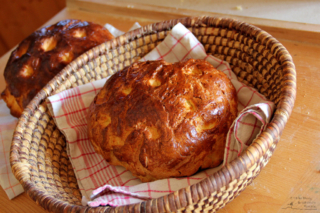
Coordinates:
[291,180]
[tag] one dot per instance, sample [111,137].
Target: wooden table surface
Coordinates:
[291,180]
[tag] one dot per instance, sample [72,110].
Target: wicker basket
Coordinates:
[38,153]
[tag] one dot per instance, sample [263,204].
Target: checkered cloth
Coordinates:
[7,125]
[8,182]
[103,184]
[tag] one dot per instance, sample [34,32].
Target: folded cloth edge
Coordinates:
[162,58]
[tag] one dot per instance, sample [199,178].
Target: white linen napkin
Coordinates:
[103,184]
[115,32]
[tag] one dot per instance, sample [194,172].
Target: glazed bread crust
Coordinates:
[43,54]
[162,120]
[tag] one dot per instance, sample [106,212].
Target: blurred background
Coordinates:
[19,18]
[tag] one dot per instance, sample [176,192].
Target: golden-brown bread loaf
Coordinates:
[43,54]
[162,120]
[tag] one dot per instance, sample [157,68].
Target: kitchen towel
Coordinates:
[8,182]
[103,184]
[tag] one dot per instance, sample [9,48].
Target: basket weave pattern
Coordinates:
[38,152]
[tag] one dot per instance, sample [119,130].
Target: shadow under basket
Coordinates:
[38,153]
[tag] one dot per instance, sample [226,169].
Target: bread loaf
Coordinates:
[162,120]
[43,54]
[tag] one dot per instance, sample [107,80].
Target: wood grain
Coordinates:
[291,180]
[292,175]
[19,204]
[148,11]
[18,19]
[3,46]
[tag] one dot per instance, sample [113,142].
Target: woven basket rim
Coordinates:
[256,150]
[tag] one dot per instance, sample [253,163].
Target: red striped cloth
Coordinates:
[8,182]
[103,184]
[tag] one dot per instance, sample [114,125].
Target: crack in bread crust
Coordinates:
[43,54]
[177,124]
